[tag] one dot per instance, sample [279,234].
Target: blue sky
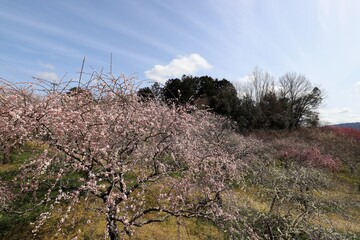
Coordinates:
[160,39]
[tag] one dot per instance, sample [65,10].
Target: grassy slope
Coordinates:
[86,224]
[337,204]
[338,199]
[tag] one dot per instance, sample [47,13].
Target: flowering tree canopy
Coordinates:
[145,160]
[15,104]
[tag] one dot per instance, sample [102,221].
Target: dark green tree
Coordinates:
[218,95]
[225,100]
[274,113]
[157,91]
[146,93]
[246,114]
[172,90]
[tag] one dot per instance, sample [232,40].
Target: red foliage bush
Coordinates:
[346,132]
[311,157]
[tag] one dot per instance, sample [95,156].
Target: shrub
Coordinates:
[346,132]
[311,157]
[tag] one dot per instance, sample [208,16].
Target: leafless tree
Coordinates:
[302,98]
[261,83]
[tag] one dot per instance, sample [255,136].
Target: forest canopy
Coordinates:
[260,103]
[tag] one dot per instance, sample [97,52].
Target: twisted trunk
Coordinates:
[6,154]
[111,223]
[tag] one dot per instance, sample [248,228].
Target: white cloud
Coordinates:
[50,76]
[46,65]
[241,84]
[177,67]
[357,86]
[338,115]
[243,80]
[335,110]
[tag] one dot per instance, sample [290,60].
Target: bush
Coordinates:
[311,157]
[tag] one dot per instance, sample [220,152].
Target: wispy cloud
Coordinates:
[46,65]
[106,23]
[339,12]
[40,44]
[76,38]
[335,110]
[50,76]
[177,67]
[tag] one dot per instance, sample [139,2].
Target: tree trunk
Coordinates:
[6,155]
[111,223]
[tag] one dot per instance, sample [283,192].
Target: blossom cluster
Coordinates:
[311,157]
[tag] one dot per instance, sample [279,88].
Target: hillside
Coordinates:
[355,125]
[295,185]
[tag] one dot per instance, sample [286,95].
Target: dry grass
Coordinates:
[337,222]
[252,198]
[174,229]
[86,223]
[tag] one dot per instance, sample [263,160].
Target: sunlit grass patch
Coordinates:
[347,177]
[174,228]
[340,194]
[83,221]
[86,222]
[338,223]
[7,167]
[251,198]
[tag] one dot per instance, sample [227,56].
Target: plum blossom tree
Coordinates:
[14,105]
[144,160]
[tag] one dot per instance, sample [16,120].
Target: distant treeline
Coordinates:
[260,103]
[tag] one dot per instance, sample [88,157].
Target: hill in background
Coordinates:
[355,125]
